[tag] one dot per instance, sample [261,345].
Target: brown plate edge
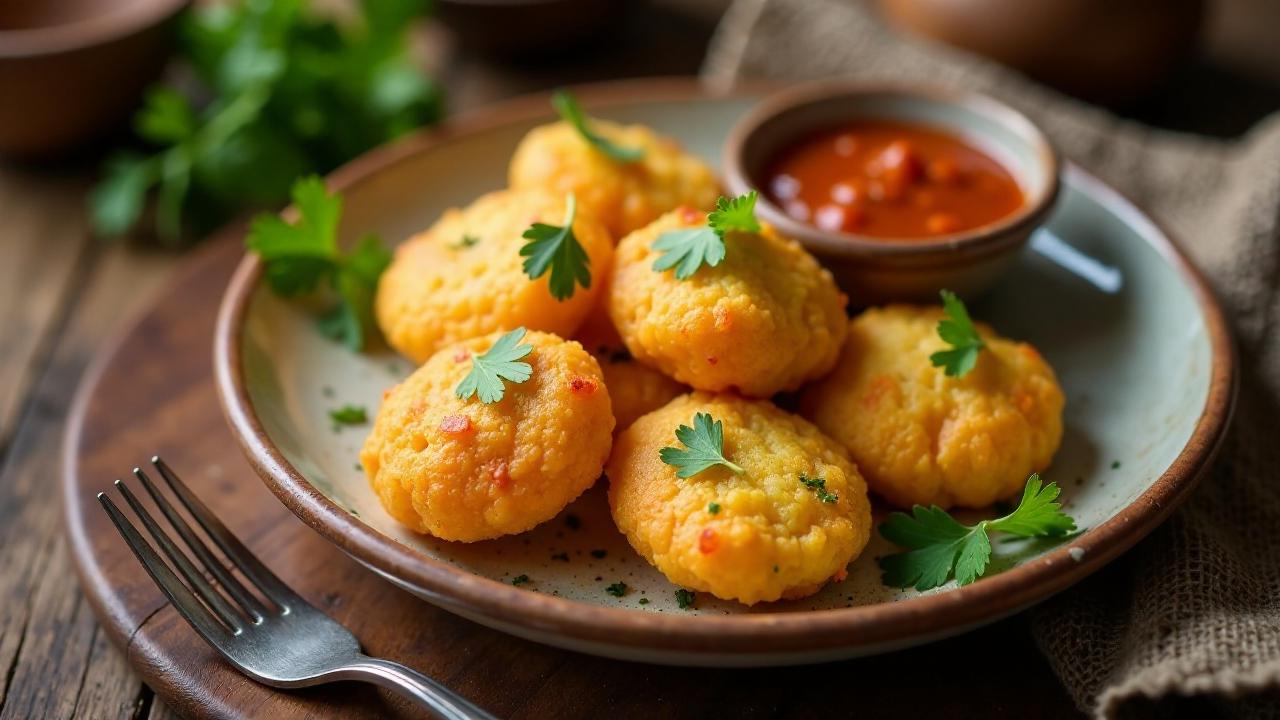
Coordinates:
[801,631]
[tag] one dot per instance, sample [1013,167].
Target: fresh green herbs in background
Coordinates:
[958,331]
[301,256]
[819,487]
[284,92]
[567,105]
[501,362]
[689,249]
[940,547]
[703,448]
[555,248]
[349,415]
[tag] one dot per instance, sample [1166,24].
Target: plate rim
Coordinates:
[803,630]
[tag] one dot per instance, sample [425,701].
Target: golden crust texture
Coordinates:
[441,288]
[625,196]
[635,389]
[766,319]
[465,470]
[921,437]
[771,537]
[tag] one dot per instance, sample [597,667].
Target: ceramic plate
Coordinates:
[1136,338]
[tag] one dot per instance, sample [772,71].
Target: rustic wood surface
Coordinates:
[64,294]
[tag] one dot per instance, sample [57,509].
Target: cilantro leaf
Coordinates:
[498,364]
[300,256]
[939,547]
[571,112]
[685,598]
[819,487]
[688,249]
[556,248]
[349,415]
[166,116]
[738,213]
[958,331]
[704,448]
[1038,513]
[117,201]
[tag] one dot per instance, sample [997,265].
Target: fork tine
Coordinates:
[253,569]
[228,581]
[181,598]
[194,579]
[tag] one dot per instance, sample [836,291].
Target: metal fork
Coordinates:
[283,642]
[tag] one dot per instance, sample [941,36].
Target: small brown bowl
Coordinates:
[876,270]
[74,70]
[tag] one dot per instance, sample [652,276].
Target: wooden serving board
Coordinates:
[151,391]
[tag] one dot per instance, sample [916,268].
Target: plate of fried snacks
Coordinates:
[724,379]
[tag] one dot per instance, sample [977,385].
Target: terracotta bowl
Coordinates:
[74,70]
[876,270]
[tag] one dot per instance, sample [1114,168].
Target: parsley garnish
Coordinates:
[617,589]
[556,248]
[957,330]
[520,580]
[689,249]
[299,256]
[276,91]
[703,448]
[567,105]
[349,415]
[940,547]
[685,598]
[714,508]
[467,240]
[498,364]
[819,487]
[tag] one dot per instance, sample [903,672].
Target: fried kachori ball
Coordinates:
[466,470]
[625,196]
[463,277]
[921,437]
[634,388]
[758,536]
[764,320]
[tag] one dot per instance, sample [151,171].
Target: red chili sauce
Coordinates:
[891,180]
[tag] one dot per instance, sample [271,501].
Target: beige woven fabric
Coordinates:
[1190,619]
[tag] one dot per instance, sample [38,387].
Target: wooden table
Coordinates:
[62,293]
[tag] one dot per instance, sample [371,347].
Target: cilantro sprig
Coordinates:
[571,112]
[688,249]
[939,547]
[501,362]
[703,448]
[276,90]
[958,331]
[302,255]
[556,249]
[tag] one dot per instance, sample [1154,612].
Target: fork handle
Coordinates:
[410,683]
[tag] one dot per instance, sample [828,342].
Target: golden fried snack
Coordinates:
[753,537]
[465,470]
[921,437]
[463,276]
[634,388]
[764,320]
[625,196]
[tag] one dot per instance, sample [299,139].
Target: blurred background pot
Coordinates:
[74,70]
[1110,51]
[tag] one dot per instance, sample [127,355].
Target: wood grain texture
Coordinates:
[155,394]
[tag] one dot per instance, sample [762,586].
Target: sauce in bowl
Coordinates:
[891,180]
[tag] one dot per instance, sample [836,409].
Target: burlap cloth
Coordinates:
[1190,619]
